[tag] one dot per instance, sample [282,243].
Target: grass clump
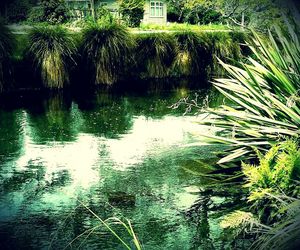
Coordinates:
[52,49]
[107,48]
[194,55]
[157,53]
[6,49]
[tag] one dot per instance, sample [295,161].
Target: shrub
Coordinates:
[132,11]
[273,193]
[52,49]
[54,11]
[18,10]
[103,15]
[202,15]
[36,14]
[277,173]
[107,49]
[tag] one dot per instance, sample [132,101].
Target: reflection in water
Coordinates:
[119,154]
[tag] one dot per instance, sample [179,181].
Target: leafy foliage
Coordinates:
[201,14]
[54,11]
[132,11]
[18,10]
[52,48]
[257,14]
[285,233]
[107,49]
[277,174]
[273,192]
[239,221]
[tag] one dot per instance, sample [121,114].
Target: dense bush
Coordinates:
[202,15]
[277,173]
[132,11]
[273,214]
[103,15]
[18,10]
[54,11]
[36,14]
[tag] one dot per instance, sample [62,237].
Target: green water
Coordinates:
[122,155]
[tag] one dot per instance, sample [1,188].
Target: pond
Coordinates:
[122,155]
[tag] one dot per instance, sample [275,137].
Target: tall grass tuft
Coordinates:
[6,48]
[157,53]
[107,48]
[195,53]
[52,48]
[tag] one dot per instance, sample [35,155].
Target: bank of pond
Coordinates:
[55,58]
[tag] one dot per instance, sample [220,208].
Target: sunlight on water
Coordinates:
[124,157]
[147,138]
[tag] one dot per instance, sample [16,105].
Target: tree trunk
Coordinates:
[93,9]
[243,20]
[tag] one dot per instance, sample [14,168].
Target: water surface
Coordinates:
[122,155]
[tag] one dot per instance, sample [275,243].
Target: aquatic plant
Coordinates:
[52,48]
[107,48]
[195,53]
[264,93]
[6,47]
[156,53]
[107,224]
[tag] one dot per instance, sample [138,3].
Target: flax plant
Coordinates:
[52,48]
[264,93]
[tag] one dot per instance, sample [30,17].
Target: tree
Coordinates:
[132,11]
[245,13]
[16,10]
[54,11]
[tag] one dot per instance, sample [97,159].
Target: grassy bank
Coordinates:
[107,53]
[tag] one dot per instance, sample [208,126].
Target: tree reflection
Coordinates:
[11,134]
[56,121]
[105,115]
